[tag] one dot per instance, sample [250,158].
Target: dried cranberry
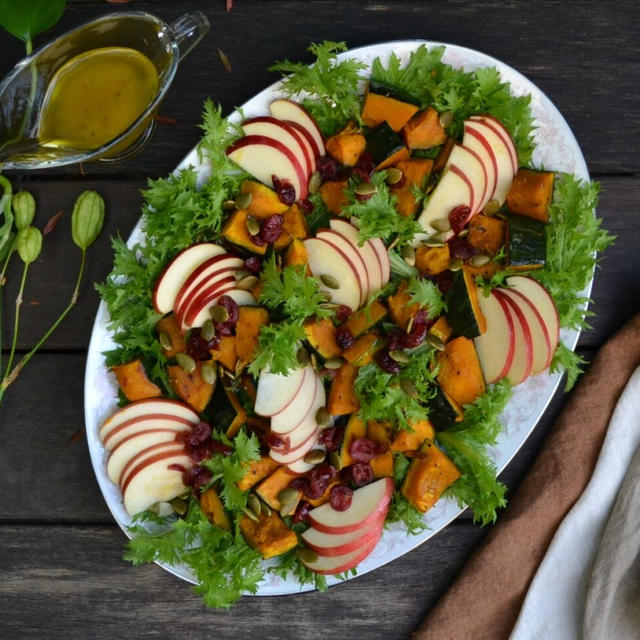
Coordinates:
[272,228]
[223,328]
[363,449]
[395,339]
[253,265]
[327,167]
[258,241]
[319,478]
[458,217]
[279,443]
[302,512]
[365,167]
[197,346]
[421,324]
[363,197]
[307,206]
[299,484]
[219,447]
[232,309]
[284,189]
[343,312]
[201,433]
[198,452]
[444,281]
[202,478]
[386,362]
[331,437]
[344,337]
[460,248]
[361,473]
[341,497]
[188,475]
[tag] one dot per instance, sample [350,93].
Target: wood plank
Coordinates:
[62,582]
[591,74]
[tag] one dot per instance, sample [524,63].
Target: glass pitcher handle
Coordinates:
[188,30]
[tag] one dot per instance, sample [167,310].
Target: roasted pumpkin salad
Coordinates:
[325,313]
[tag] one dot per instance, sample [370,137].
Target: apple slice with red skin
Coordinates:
[293,415]
[300,467]
[504,134]
[243,298]
[331,544]
[309,142]
[496,346]
[287,110]
[478,143]
[366,250]
[330,565]
[276,390]
[151,452]
[279,130]
[197,311]
[145,408]
[265,157]
[543,302]
[522,363]
[178,270]
[539,334]
[472,166]
[383,259]
[368,504]
[299,452]
[144,423]
[130,446]
[326,260]
[201,274]
[352,255]
[157,479]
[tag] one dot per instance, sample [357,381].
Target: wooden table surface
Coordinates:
[60,552]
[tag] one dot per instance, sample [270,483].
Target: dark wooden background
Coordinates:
[60,552]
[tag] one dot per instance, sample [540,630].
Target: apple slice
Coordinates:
[326,260]
[300,450]
[147,407]
[203,273]
[178,270]
[368,503]
[279,130]
[276,390]
[265,157]
[504,134]
[197,308]
[496,346]
[149,453]
[522,363]
[288,110]
[242,298]
[299,467]
[330,565]
[352,255]
[309,142]
[158,479]
[543,302]
[383,259]
[453,190]
[130,446]
[539,335]
[472,166]
[144,423]
[331,544]
[366,250]
[293,415]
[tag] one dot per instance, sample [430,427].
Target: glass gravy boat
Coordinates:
[23,91]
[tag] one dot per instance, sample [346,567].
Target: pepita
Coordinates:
[433,241]
[244,200]
[219,313]
[315,456]
[253,502]
[315,182]
[464,233]
[479,260]
[288,495]
[400,356]
[266,509]
[208,373]
[446,118]
[441,224]
[435,342]
[306,555]
[322,417]
[248,284]
[333,363]
[455,264]
[207,331]
[288,508]
[335,460]
[408,387]
[251,514]
[253,226]
[186,362]
[302,356]
[165,341]
[409,254]
[410,324]
[394,176]
[228,205]
[179,506]
[329,281]
[240,274]
[442,237]
[365,189]
[491,208]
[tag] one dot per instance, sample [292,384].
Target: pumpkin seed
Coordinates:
[322,417]
[441,237]
[179,506]
[243,201]
[208,373]
[186,362]
[219,313]
[253,226]
[314,361]
[253,502]
[228,205]
[248,284]
[315,456]
[330,281]
[455,264]
[492,207]
[207,331]
[165,341]
[240,274]
[288,508]
[302,356]
[408,387]
[410,324]
[446,118]
[251,514]
[315,182]
[333,363]
[399,356]
[394,176]
[433,241]
[479,260]
[288,495]
[441,224]
[409,254]
[266,509]
[306,555]
[331,306]
[435,342]
[365,189]
[464,233]
[335,460]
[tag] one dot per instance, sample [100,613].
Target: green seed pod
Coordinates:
[24,209]
[29,244]
[87,219]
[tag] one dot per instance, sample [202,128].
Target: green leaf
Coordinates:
[428,295]
[27,18]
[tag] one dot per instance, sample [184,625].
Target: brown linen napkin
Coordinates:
[484,601]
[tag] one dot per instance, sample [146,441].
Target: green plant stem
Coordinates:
[10,377]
